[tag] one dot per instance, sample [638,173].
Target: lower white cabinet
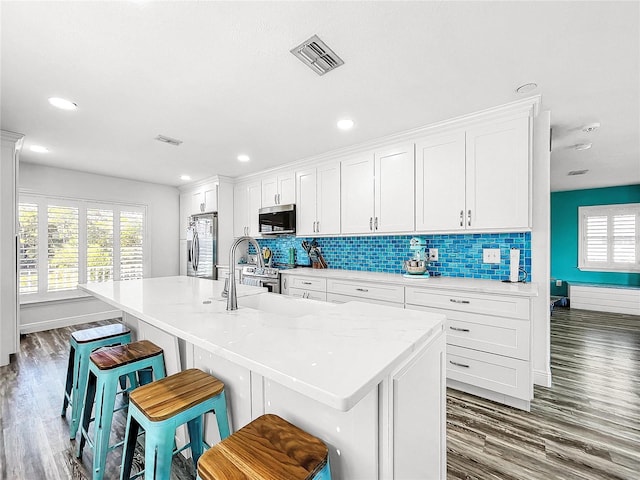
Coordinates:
[338,298]
[488,342]
[304,287]
[302,293]
[365,291]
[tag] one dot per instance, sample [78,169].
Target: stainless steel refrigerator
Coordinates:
[202,245]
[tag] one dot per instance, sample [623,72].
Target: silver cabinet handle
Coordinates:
[315,226]
[462,218]
[453,300]
[458,364]
[376,224]
[306,283]
[370,223]
[318,226]
[469,218]
[362,289]
[459,329]
[284,282]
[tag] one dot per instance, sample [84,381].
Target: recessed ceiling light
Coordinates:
[38,149]
[62,103]
[185,177]
[591,127]
[582,146]
[243,158]
[527,87]
[345,124]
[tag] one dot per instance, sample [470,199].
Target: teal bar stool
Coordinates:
[106,366]
[269,448]
[161,407]
[83,342]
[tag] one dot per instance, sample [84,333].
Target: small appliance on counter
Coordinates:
[417,265]
[514,268]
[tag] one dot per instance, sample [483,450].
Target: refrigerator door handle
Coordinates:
[196,251]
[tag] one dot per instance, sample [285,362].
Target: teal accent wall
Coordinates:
[564,233]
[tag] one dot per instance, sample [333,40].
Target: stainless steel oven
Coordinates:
[261,277]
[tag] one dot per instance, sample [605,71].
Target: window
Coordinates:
[609,237]
[66,242]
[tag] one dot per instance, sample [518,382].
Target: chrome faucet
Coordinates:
[232,298]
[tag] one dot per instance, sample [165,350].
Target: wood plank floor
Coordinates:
[587,426]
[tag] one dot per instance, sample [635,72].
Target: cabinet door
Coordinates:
[240,210]
[253,205]
[286,188]
[357,194]
[440,183]
[210,198]
[306,202]
[498,175]
[269,192]
[394,189]
[327,199]
[197,202]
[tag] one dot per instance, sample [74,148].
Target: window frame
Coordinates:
[609,211]
[43,201]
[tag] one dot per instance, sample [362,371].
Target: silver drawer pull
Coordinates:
[306,283]
[362,289]
[458,364]
[459,329]
[459,301]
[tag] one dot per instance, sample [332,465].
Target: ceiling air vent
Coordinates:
[577,172]
[169,140]
[316,55]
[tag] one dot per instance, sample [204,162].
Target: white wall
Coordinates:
[162,232]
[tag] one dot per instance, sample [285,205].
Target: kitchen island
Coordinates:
[368,380]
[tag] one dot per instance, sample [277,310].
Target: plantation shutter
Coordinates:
[131,245]
[28,219]
[99,245]
[624,238]
[62,248]
[597,238]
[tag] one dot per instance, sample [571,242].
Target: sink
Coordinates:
[282,304]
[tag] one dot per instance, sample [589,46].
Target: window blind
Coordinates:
[131,245]
[62,248]
[99,245]
[28,255]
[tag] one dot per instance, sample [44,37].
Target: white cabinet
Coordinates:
[488,342]
[378,191]
[304,287]
[279,190]
[317,201]
[477,179]
[246,203]
[203,198]
[365,291]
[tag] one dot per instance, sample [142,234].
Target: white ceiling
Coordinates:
[219,76]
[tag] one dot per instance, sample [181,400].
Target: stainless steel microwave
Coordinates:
[277,220]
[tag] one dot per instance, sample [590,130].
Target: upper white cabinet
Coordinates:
[378,191]
[317,201]
[205,199]
[246,203]
[477,179]
[279,190]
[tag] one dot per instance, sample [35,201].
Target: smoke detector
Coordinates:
[591,127]
[317,55]
[171,141]
[577,172]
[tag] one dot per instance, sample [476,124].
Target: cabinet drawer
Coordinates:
[389,293]
[497,305]
[307,283]
[303,293]
[499,335]
[504,375]
[338,298]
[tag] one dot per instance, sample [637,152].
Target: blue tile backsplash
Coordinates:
[460,255]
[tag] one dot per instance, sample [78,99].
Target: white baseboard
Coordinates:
[542,378]
[68,321]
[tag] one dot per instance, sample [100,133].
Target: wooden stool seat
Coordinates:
[120,355]
[82,343]
[161,407]
[269,448]
[100,333]
[175,394]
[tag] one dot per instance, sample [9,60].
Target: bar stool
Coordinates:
[269,448]
[160,407]
[106,366]
[83,342]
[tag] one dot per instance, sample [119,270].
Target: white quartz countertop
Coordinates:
[442,282]
[334,354]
